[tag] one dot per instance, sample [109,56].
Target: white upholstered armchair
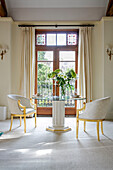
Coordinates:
[20,106]
[94,111]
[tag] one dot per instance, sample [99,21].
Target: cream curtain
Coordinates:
[85,64]
[27,63]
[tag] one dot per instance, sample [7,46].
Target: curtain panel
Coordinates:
[85,64]
[27,63]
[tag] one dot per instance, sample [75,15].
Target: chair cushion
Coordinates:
[85,116]
[29,110]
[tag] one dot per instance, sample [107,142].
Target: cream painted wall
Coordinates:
[102,35]
[97,61]
[15,58]
[108,64]
[5,64]
[10,66]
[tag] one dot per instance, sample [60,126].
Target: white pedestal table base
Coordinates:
[58,117]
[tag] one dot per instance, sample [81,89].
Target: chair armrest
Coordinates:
[21,106]
[83,108]
[33,104]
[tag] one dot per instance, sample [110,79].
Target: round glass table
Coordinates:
[58,112]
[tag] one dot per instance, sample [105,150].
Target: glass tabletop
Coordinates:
[58,98]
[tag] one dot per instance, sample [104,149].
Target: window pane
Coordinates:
[67,56]
[44,85]
[45,55]
[67,65]
[40,39]
[61,39]
[72,39]
[51,39]
[43,69]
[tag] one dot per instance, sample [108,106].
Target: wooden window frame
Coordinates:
[56,49]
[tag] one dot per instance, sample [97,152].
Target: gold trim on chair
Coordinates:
[32,103]
[35,107]
[23,107]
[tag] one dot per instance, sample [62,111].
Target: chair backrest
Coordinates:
[97,109]
[23,100]
[13,105]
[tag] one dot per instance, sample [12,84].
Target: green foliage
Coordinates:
[63,79]
[54,73]
[43,69]
[41,56]
[71,74]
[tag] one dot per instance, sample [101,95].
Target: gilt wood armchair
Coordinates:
[94,111]
[20,106]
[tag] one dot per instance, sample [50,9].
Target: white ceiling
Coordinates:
[52,10]
[55,3]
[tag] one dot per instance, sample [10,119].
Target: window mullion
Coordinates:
[55,66]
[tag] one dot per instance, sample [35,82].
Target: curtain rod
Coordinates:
[92,25]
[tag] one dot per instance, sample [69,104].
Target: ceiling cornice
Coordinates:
[107,18]
[6,19]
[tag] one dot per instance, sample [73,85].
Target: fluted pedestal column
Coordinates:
[58,117]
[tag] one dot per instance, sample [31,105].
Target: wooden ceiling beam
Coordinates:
[109,11]
[3,9]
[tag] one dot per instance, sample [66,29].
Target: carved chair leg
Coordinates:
[11,122]
[102,127]
[35,120]
[20,120]
[77,126]
[98,131]
[24,124]
[84,126]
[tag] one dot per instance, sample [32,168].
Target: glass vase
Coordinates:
[62,92]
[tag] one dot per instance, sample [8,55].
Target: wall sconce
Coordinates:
[109,52]
[3,50]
